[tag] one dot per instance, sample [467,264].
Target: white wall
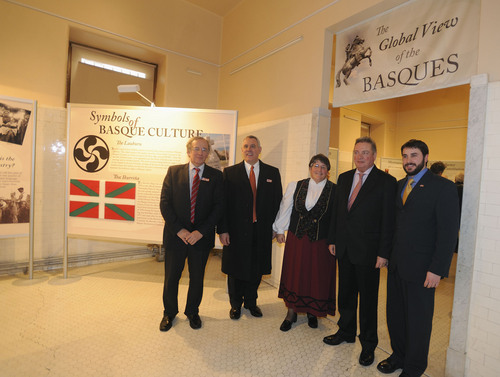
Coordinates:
[483,341]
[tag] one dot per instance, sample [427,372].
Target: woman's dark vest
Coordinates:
[313,223]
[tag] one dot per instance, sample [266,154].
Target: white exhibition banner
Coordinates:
[16,165]
[119,156]
[419,46]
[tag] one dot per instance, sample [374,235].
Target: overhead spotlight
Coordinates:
[135,88]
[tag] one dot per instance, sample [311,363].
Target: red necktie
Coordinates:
[254,191]
[194,192]
[355,192]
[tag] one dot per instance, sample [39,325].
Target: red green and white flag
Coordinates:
[102,199]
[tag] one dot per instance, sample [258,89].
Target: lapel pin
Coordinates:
[269,180]
[205,179]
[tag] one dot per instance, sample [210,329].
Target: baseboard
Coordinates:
[54,263]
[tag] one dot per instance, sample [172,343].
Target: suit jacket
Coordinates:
[426,228]
[175,206]
[366,231]
[237,258]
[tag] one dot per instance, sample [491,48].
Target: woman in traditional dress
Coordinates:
[308,273]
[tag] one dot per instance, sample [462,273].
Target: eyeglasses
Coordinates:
[197,149]
[324,167]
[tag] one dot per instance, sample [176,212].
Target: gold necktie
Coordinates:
[407,190]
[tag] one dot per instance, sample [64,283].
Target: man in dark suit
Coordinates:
[426,233]
[252,196]
[191,204]
[360,237]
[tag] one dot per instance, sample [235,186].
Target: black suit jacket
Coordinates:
[175,206]
[238,219]
[366,231]
[426,228]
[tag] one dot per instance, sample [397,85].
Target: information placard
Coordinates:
[16,165]
[118,158]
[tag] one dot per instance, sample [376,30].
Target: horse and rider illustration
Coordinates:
[355,53]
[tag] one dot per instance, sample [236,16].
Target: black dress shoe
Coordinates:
[337,338]
[388,366]
[194,321]
[235,313]
[255,311]
[312,321]
[166,323]
[366,357]
[287,325]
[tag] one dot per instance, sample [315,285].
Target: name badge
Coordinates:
[269,180]
[205,179]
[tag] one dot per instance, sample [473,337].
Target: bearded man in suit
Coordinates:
[191,204]
[427,219]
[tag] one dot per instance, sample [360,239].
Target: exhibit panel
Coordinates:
[118,158]
[17,123]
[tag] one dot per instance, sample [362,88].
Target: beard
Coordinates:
[418,168]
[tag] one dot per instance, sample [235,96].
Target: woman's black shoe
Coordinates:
[287,325]
[312,321]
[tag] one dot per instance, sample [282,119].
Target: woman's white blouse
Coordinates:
[283,217]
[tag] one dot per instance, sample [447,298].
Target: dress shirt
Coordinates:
[356,179]
[415,178]
[286,206]
[192,172]
[256,170]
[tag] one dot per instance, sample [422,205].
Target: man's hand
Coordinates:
[332,249]
[381,262]
[224,239]
[432,280]
[280,238]
[183,234]
[194,237]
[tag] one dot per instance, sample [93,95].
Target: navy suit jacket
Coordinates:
[366,231]
[426,228]
[175,206]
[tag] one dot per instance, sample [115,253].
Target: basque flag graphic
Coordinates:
[87,204]
[120,210]
[102,199]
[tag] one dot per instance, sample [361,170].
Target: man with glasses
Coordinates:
[191,204]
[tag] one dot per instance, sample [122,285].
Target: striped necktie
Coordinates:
[194,192]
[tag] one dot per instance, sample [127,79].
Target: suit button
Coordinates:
[315,221]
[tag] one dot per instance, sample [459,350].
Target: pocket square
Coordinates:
[269,180]
[205,179]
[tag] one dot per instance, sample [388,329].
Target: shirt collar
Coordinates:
[201,167]
[417,177]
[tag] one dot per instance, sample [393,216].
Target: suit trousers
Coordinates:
[245,291]
[359,280]
[174,265]
[410,308]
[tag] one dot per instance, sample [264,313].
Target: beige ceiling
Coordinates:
[220,7]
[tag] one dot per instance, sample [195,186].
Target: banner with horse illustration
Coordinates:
[420,46]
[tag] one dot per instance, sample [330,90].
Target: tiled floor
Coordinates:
[103,321]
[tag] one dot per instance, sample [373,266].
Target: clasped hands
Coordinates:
[189,237]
